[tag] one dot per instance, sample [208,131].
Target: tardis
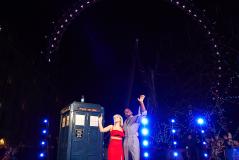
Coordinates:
[79,137]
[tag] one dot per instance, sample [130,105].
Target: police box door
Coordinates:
[86,141]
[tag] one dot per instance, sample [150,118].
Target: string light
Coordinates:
[81,4]
[194,13]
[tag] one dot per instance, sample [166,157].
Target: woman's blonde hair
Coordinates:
[121,119]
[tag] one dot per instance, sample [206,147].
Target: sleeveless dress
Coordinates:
[115,148]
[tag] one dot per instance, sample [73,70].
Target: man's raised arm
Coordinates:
[142,106]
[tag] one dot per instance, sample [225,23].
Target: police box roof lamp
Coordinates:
[82,99]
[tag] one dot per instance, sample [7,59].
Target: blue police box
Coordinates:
[79,137]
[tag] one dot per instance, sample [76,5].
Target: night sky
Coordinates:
[98,57]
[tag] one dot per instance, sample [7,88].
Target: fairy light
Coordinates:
[195,14]
[192,12]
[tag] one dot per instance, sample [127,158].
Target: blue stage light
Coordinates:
[205,155]
[202,131]
[173,131]
[144,121]
[43,143]
[172,120]
[204,143]
[200,121]
[45,121]
[44,131]
[146,154]
[42,155]
[175,142]
[175,154]
[145,131]
[145,143]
